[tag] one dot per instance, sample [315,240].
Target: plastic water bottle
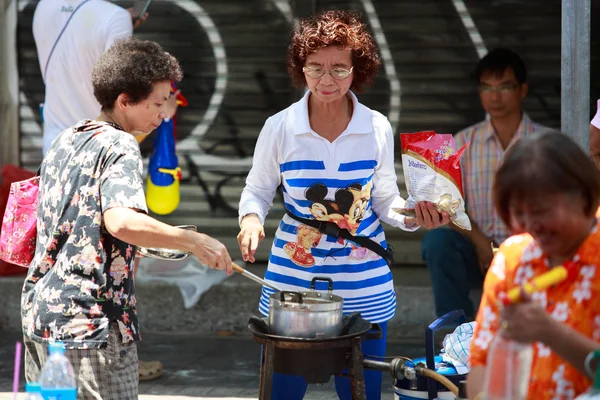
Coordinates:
[594,391]
[508,370]
[57,377]
[33,391]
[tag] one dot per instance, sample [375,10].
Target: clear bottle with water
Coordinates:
[508,370]
[33,391]
[57,378]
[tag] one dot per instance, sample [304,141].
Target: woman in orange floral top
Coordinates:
[548,189]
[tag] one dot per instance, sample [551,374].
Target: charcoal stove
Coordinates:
[316,360]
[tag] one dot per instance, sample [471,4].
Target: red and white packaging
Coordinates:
[432,173]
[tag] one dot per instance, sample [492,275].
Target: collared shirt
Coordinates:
[479,164]
[351,182]
[574,303]
[80,279]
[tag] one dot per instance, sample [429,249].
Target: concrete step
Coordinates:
[226,307]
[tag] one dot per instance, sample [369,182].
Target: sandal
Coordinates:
[150,370]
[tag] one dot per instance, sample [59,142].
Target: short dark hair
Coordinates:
[496,62]
[132,66]
[339,28]
[547,162]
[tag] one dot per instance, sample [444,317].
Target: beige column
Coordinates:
[9,84]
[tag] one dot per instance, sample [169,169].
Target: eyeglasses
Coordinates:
[336,73]
[507,88]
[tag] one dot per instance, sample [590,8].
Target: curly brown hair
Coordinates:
[132,66]
[338,28]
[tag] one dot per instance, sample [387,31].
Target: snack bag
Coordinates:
[431,166]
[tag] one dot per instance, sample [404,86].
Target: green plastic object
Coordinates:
[594,391]
[597,380]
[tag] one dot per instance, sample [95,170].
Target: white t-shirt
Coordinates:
[69,95]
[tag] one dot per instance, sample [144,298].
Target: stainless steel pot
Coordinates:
[311,314]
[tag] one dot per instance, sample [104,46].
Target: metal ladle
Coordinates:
[255,278]
[178,255]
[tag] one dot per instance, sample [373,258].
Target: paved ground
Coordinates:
[200,367]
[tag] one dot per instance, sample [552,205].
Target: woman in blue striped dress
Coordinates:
[334,158]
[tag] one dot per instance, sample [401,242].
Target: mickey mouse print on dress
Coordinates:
[346,209]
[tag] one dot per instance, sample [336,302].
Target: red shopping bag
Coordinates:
[8,175]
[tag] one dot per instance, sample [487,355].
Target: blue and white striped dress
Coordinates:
[351,182]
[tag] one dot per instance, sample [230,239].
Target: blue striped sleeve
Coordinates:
[302,165]
[357,165]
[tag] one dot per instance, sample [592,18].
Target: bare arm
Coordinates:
[482,243]
[570,345]
[475,235]
[140,229]
[475,381]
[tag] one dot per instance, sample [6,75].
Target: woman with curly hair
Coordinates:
[91,216]
[335,160]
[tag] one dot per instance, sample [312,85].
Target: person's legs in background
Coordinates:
[373,378]
[288,387]
[454,269]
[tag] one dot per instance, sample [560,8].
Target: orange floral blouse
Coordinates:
[575,303]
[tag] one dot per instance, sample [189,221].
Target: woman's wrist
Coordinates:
[551,332]
[249,217]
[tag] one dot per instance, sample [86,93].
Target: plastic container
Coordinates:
[57,378]
[33,391]
[594,391]
[508,370]
[162,187]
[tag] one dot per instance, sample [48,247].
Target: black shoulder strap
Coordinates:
[332,229]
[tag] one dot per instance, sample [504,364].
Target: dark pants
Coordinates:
[454,270]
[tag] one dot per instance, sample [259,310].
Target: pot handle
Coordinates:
[324,279]
[296,295]
[375,333]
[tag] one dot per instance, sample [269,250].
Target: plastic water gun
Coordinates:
[542,282]
[164,173]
